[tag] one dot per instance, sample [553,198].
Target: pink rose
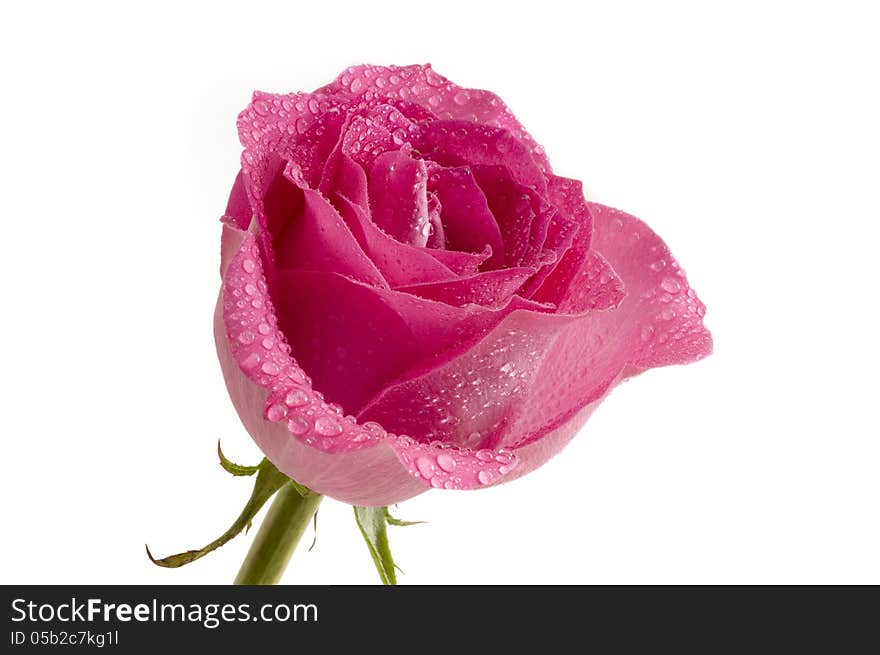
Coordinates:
[412,299]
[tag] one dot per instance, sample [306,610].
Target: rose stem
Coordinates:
[278,536]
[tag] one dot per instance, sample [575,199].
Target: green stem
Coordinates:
[278,536]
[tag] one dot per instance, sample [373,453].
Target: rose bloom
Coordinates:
[411,299]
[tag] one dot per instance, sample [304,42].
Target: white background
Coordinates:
[746,136]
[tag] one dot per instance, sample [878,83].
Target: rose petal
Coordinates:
[659,322]
[399,263]
[398,192]
[488,288]
[521,214]
[595,286]
[561,233]
[456,143]
[309,234]
[467,400]
[445,99]
[462,263]
[238,207]
[352,339]
[302,435]
[661,303]
[437,233]
[468,222]
[568,197]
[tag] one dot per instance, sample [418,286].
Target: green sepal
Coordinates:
[373,524]
[391,520]
[232,467]
[269,480]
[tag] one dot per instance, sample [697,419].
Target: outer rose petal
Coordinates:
[353,338]
[303,436]
[469,399]
[658,323]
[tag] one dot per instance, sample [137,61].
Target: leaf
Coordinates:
[269,480]
[232,467]
[373,526]
[396,521]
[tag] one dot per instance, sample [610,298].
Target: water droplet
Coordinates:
[251,360]
[298,425]
[647,332]
[250,289]
[268,343]
[264,329]
[446,462]
[358,85]
[296,398]
[246,337]
[485,477]
[248,265]
[425,466]
[375,429]
[276,412]
[659,265]
[667,314]
[270,368]
[461,98]
[670,284]
[327,426]
[485,455]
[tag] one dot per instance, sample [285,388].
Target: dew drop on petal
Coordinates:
[296,398]
[270,368]
[251,361]
[670,285]
[246,337]
[298,425]
[276,412]
[484,477]
[375,429]
[446,462]
[425,466]
[485,455]
[327,426]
